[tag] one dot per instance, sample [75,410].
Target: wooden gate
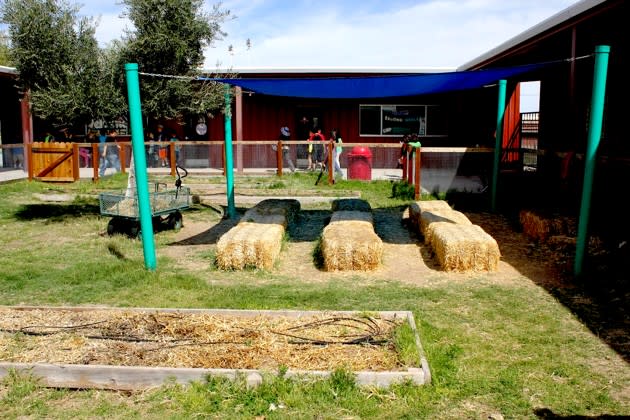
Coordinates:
[57,162]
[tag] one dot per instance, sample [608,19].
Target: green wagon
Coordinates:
[165,209]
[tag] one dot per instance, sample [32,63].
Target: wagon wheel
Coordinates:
[175,220]
[135,229]
[114,226]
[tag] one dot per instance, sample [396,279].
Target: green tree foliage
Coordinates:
[5,50]
[168,39]
[60,63]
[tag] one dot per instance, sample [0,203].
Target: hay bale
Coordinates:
[256,240]
[428,218]
[464,247]
[255,245]
[273,211]
[351,204]
[540,226]
[351,245]
[354,216]
[417,207]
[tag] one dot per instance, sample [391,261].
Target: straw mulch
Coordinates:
[541,226]
[350,243]
[464,247]
[197,340]
[256,241]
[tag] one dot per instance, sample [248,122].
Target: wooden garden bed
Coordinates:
[88,347]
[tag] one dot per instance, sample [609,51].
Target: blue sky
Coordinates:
[357,33]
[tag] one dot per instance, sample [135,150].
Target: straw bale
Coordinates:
[464,247]
[351,245]
[540,226]
[272,211]
[428,218]
[351,204]
[250,245]
[417,207]
[355,216]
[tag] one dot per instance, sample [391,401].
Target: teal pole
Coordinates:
[497,144]
[594,136]
[140,164]
[229,164]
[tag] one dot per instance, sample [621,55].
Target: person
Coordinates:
[285,134]
[160,136]
[110,154]
[102,138]
[65,135]
[317,149]
[174,138]
[151,157]
[84,152]
[335,138]
[49,138]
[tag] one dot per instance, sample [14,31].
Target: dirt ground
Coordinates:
[405,258]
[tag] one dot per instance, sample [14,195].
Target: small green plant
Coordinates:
[276,185]
[403,190]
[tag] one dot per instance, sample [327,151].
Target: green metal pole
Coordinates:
[594,136]
[497,143]
[229,164]
[140,163]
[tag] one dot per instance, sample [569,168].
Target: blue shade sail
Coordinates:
[377,86]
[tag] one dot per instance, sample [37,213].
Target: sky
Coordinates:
[436,34]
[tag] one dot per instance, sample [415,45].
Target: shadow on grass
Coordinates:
[56,212]
[600,298]
[545,413]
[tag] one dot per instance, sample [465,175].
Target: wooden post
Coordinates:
[416,179]
[123,157]
[408,160]
[29,160]
[95,161]
[75,161]
[279,158]
[171,158]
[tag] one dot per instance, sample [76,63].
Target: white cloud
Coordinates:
[428,34]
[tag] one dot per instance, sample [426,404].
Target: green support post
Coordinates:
[229,164]
[497,144]
[594,136]
[140,163]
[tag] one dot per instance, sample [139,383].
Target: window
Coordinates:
[398,120]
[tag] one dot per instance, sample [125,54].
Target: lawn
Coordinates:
[516,344]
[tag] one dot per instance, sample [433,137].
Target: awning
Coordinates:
[377,86]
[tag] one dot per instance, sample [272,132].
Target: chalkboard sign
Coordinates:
[403,119]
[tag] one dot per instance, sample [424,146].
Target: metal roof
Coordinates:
[8,70]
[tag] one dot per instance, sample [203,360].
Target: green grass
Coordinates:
[508,349]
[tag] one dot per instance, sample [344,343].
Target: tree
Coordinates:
[5,50]
[59,62]
[169,39]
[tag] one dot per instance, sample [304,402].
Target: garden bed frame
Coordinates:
[137,377]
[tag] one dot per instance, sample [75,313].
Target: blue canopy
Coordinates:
[377,86]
